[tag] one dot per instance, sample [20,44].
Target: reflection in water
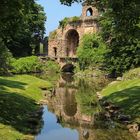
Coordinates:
[75,106]
[53,130]
[70,105]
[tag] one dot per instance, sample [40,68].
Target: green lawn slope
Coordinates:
[18,97]
[125,94]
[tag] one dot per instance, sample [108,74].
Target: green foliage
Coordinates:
[126,95]
[69,2]
[5,59]
[18,100]
[91,51]
[121,31]
[75,19]
[21,26]
[52,66]
[86,94]
[132,74]
[53,35]
[64,22]
[26,65]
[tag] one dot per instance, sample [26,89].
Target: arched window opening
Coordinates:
[55,51]
[89,12]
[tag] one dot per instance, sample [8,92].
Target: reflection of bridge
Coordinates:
[66,63]
[64,105]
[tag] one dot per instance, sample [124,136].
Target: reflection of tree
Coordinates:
[86,97]
[75,108]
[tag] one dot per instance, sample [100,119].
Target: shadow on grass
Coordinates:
[128,99]
[11,84]
[14,108]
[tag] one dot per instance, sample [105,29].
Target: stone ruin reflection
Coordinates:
[64,105]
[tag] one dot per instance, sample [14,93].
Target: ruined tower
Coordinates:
[63,42]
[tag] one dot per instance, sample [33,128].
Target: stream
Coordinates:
[72,111]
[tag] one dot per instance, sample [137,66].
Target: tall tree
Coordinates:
[21,25]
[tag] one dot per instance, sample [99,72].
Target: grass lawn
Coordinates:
[125,94]
[18,95]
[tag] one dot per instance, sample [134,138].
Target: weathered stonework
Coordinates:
[66,40]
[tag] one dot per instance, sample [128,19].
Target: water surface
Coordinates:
[72,112]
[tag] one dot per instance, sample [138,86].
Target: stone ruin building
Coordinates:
[63,42]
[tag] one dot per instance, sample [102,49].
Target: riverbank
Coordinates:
[19,97]
[125,94]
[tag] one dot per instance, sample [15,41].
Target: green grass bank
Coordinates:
[18,97]
[126,94]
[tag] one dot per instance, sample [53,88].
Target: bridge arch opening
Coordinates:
[70,105]
[72,42]
[68,68]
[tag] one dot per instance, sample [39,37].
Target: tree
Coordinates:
[5,59]
[91,51]
[120,24]
[21,25]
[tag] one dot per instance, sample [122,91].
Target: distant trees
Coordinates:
[120,30]
[21,25]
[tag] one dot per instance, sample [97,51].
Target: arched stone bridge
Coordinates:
[67,64]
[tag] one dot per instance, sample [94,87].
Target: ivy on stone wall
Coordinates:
[63,23]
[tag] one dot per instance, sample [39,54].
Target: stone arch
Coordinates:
[70,105]
[68,68]
[89,12]
[72,42]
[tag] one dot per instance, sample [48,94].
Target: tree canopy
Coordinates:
[21,28]
[21,25]
[91,51]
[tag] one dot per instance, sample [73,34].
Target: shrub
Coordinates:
[52,66]
[91,51]
[132,74]
[75,19]
[53,35]
[63,23]
[26,65]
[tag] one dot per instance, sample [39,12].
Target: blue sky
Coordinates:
[56,12]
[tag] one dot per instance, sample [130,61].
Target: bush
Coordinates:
[132,74]
[52,66]
[75,19]
[26,65]
[53,35]
[63,23]
[91,51]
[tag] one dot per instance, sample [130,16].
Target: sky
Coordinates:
[55,12]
